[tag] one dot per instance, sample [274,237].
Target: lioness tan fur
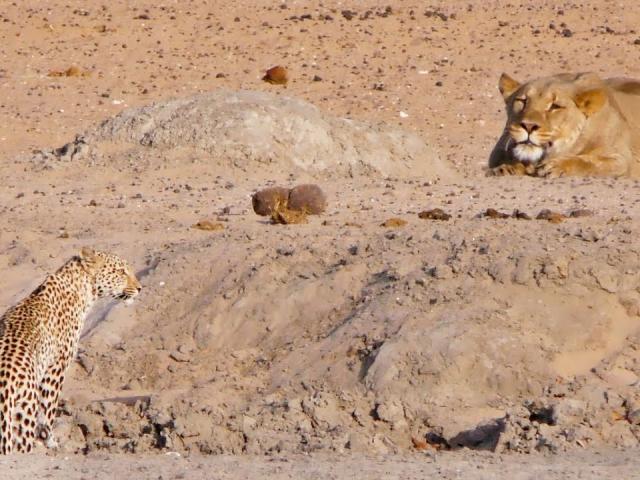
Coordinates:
[569,124]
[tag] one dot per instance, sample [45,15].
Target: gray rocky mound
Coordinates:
[249,128]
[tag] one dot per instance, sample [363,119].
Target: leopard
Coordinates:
[39,339]
[570,124]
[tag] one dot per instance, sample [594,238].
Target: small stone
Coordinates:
[276,75]
[634,417]
[179,356]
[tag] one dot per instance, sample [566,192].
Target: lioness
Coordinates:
[569,124]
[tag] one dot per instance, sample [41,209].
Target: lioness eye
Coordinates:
[555,106]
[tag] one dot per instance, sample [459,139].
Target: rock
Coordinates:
[493,213]
[308,198]
[568,410]
[581,212]
[390,411]
[276,75]
[551,216]
[634,417]
[520,215]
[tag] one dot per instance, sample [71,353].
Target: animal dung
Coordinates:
[276,76]
[281,215]
[265,200]
[434,214]
[306,198]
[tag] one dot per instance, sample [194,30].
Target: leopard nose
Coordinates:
[530,127]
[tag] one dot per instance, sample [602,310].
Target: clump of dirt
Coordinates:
[394,222]
[434,214]
[282,215]
[72,71]
[208,225]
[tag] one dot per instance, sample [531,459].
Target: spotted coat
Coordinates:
[39,338]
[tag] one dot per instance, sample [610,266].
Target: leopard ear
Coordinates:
[591,101]
[90,260]
[507,86]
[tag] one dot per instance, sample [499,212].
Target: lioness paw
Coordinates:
[510,169]
[550,168]
[559,167]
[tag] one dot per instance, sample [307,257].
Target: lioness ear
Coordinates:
[507,85]
[90,260]
[591,101]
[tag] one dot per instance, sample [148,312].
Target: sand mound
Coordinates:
[252,130]
[495,334]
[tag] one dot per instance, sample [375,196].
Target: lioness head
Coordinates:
[545,117]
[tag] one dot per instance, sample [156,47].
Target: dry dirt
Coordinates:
[350,333]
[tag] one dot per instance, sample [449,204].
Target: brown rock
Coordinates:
[308,198]
[266,199]
[434,214]
[520,215]
[553,217]
[276,76]
[493,213]
[580,212]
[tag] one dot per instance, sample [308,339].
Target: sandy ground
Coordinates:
[338,336]
[447,467]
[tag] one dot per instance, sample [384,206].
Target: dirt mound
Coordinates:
[497,334]
[255,130]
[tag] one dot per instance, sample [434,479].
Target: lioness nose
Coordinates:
[530,126]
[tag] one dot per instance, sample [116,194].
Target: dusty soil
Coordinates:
[339,335]
[610,464]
